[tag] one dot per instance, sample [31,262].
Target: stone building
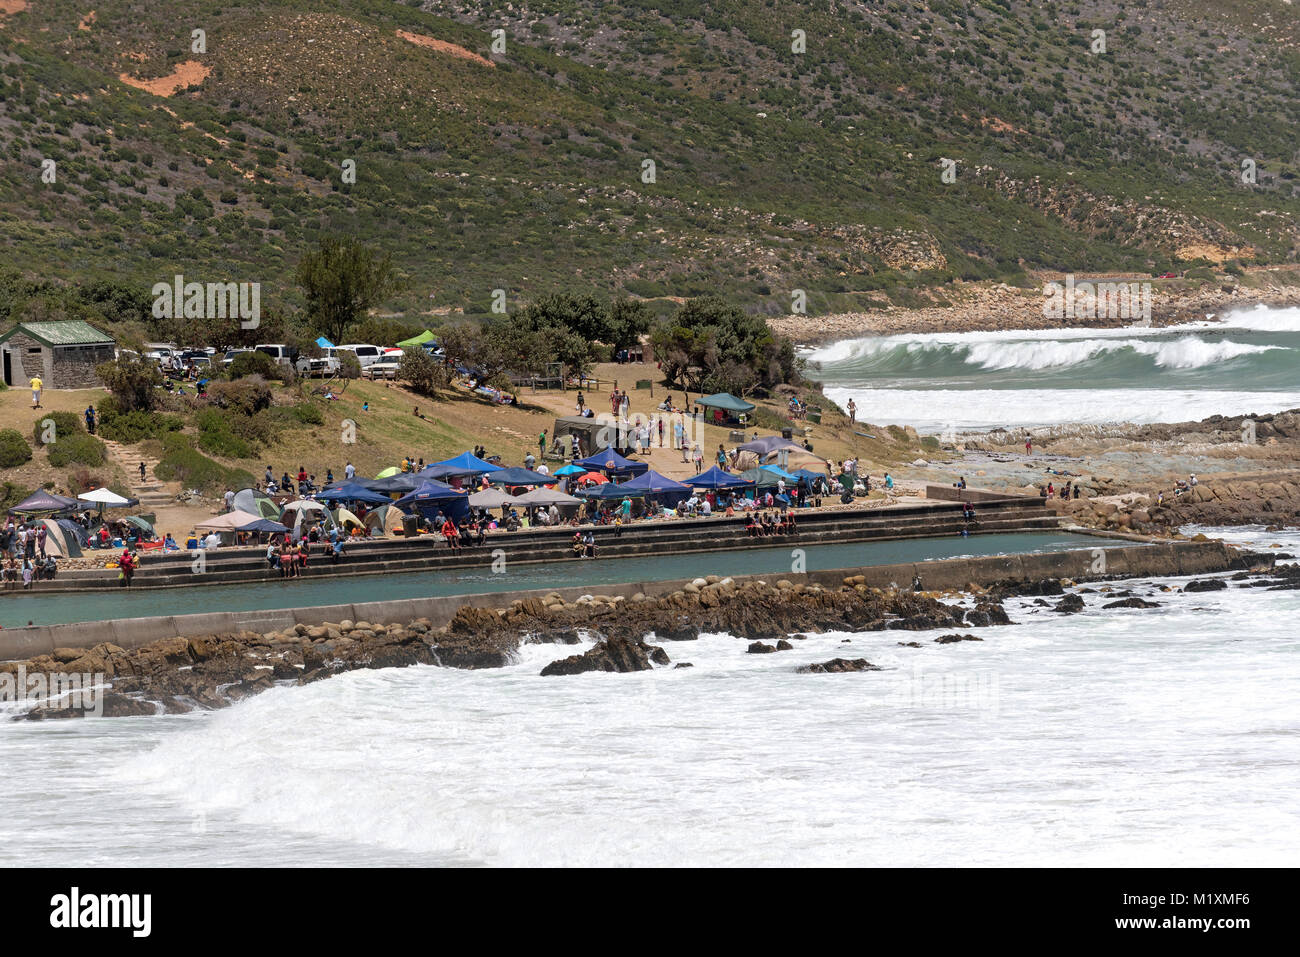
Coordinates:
[64,354]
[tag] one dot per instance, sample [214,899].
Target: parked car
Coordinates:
[366,354]
[381,370]
[282,354]
[231,353]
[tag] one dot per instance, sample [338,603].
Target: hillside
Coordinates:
[522,170]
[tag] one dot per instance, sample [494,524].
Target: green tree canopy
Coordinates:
[340,281]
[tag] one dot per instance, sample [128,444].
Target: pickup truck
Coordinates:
[381,370]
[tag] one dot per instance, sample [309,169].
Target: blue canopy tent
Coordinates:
[434,496]
[610,462]
[518,476]
[726,407]
[463,465]
[653,485]
[353,492]
[324,343]
[767,476]
[43,501]
[263,525]
[401,483]
[717,479]
[601,492]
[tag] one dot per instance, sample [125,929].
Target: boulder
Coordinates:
[838,666]
[614,654]
[1069,605]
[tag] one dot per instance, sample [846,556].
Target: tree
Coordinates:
[425,373]
[628,320]
[341,280]
[710,346]
[133,381]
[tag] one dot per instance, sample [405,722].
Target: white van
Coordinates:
[282,354]
[367,355]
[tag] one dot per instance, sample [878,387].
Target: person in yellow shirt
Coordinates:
[37,385]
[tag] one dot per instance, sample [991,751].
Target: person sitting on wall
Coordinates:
[576,545]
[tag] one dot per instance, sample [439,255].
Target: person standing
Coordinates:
[41,535]
[230,500]
[853,411]
[37,386]
[90,419]
[679,432]
[1029,446]
[541,445]
[697,456]
[581,402]
[349,472]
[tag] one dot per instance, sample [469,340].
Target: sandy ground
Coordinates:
[187,74]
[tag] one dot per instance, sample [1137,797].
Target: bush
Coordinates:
[133,381]
[349,366]
[65,423]
[243,396]
[217,435]
[14,450]
[308,414]
[183,463]
[78,447]
[425,373]
[253,363]
[132,427]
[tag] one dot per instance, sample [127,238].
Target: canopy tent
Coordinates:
[389,472]
[651,482]
[229,522]
[401,483]
[384,520]
[715,478]
[591,478]
[347,519]
[594,433]
[607,491]
[353,492]
[805,461]
[769,444]
[725,401]
[42,501]
[491,498]
[611,463]
[59,542]
[264,525]
[107,499]
[767,476]
[324,343]
[256,502]
[809,474]
[547,496]
[518,476]
[569,469]
[419,340]
[465,464]
[437,496]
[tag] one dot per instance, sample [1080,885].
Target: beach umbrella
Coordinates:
[389,472]
[715,478]
[228,522]
[517,476]
[491,498]
[570,470]
[105,498]
[593,477]
[141,523]
[546,496]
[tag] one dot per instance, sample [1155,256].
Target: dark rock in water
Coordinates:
[1069,605]
[837,666]
[949,639]
[614,654]
[1045,586]
[1206,584]
[112,705]
[799,637]
[1041,603]
[784,645]
[985,614]
[683,664]
[909,644]
[758,648]
[1132,603]
[680,631]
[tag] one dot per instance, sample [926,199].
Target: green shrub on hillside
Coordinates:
[65,423]
[308,414]
[253,363]
[183,463]
[14,450]
[244,396]
[77,447]
[136,426]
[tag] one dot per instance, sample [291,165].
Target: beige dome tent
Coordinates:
[347,520]
[384,520]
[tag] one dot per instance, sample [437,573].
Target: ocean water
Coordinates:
[1246,362]
[1163,736]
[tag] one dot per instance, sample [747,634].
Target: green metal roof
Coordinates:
[71,332]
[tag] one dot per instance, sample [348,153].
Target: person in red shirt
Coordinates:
[126,564]
[451,534]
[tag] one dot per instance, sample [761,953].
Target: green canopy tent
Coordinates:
[419,340]
[726,407]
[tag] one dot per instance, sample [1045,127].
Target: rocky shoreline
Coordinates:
[987,307]
[178,675]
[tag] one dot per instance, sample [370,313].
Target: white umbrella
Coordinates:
[491,498]
[306,506]
[228,522]
[546,496]
[104,497]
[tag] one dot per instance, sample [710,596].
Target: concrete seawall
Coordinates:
[1162,560]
